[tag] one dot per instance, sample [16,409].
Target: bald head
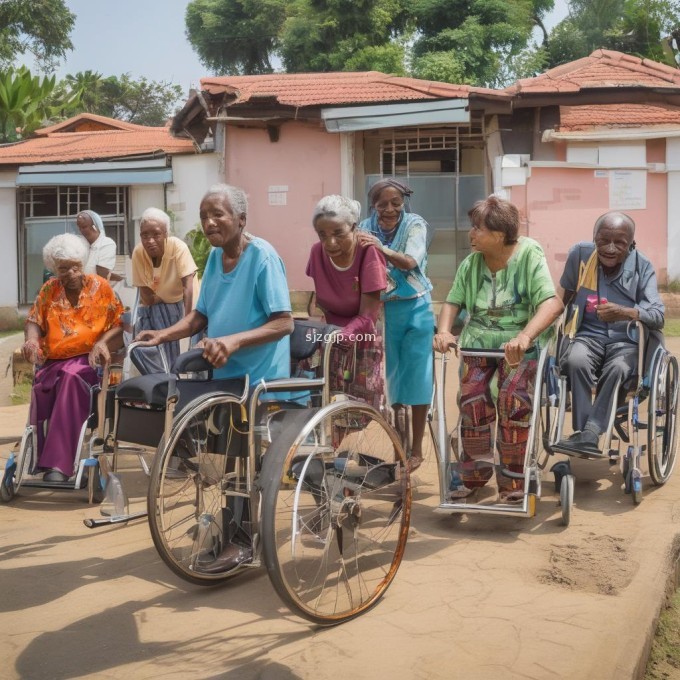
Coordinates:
[615,220]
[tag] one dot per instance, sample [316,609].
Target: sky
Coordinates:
[146,38]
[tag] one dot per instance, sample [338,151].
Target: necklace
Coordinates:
[386,237]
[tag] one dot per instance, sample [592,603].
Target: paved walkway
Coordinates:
[475,598]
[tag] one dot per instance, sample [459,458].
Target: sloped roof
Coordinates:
[121,139]
[602,69]
[89,122]
[578,118]
[335,89]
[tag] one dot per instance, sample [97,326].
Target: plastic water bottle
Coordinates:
[115,503]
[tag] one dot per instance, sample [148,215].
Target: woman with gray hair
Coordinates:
[102,254]
[73,325]
[163,270]
[244,301]
[349,277]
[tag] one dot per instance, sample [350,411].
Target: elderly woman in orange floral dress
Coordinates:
[74,324]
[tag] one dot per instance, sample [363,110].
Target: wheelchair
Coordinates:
[448,444]
[89,472]
[656,382]
[245,474]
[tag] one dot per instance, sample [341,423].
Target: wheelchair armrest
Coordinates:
[192,361]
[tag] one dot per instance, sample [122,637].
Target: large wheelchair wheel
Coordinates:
[336,510]
[19,465]
[663,411]
[193,517]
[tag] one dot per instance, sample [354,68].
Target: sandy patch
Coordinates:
[598,564]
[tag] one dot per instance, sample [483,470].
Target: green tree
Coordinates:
[633,26]
[135,100]
[338,35]
[39,27]
[235,36]
[28,102]
[468,41]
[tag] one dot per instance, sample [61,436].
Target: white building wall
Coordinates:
[192,177]
[9,257]
[673,167]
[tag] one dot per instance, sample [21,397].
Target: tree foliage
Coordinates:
[341,35]
[633,26]
[140,101]
[28,102]
[40,27]
[235,36]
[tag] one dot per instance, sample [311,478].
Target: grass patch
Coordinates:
[664,659]
[671,328]
[6,334]
[21,394]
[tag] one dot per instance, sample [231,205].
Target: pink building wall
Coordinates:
[306,159]
[560,206]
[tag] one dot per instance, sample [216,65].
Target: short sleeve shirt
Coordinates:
[102,254]
[176,263]
[244,299]
[500,305]
[338,292]
[71,331]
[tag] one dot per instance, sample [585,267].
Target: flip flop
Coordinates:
[414,462]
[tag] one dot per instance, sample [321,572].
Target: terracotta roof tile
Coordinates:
[602,69]
[102,122]
[62,147]
[574,118]
[336,89]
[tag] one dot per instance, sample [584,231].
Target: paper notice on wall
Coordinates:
[627,189]
[278,195]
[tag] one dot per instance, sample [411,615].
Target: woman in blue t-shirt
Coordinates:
[244,300]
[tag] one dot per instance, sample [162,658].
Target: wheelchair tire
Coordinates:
[187,495]
[336,510]
[567,498]
[24,460]
[663,412]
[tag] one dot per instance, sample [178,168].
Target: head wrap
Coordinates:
[381,184]
[96,220]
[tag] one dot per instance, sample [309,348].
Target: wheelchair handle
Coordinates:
[141,343]
[488,353]
[192,361]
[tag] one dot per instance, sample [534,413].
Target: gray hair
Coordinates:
[155,215]
[237,197]
[346,209]
[65,247]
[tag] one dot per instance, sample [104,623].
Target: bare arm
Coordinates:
[545,315]
[444,338]
[218,350]
[188,292]
[109,342]
[399,260]
[186,327]
[147,296]
[31,348]
[364,322]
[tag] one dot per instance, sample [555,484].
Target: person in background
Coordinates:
[505,287]
[349,277]
[102,255]
[610,284]
[163,270]
[74,325]
[409,321]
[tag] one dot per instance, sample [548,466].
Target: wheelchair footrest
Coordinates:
[590,455]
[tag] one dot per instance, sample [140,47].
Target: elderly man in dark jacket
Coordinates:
[610,284]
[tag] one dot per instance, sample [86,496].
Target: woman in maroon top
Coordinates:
[348,279]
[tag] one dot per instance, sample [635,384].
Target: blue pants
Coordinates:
[409,329]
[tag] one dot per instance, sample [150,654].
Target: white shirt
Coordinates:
[102,254]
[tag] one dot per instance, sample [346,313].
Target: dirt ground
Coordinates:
[476,597]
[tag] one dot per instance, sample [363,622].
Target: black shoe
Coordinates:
[585,441]
[231,557]
[55,476]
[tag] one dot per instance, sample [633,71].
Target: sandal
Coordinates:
[460,492]
[511,496]
[414,462]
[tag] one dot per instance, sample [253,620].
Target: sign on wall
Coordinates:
[627,189]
